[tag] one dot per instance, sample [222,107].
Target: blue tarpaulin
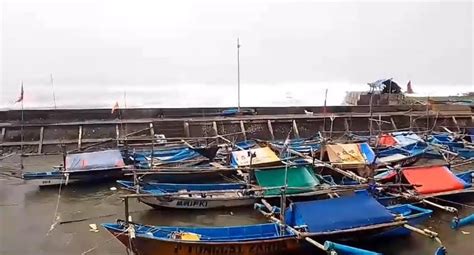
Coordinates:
[94,160]
[367,152]
[406,138]
[341,213]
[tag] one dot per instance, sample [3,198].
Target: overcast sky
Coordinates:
[183,53]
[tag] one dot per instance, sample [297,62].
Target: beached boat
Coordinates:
[300,182]
[428,182]
[81,168]
[347,218]
[400,148]
[204,173]
[353,217]
[300,145]
[261,239]
[176,156]
[194,196]
[448,141]
[256,157]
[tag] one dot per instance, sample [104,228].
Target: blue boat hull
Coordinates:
[53,178]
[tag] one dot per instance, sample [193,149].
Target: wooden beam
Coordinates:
[186,129]
[456,123]
[79,139]
[40,144]
[393,123]
[270,128]
[242,128]
[295,129]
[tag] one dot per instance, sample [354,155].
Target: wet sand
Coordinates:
[27,213]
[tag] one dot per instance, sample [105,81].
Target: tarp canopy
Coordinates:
[351,154]
[341,213]
[387,140]
[406,138]
[399,138]
[262,156]
[299,177]
[96,160]
[433,179]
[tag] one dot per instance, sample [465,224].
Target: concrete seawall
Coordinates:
[45,131]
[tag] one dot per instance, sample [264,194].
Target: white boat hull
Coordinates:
[197,203]
[49,182]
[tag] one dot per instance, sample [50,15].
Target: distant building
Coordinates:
[381,92]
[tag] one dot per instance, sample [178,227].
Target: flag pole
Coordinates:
[124,126]
[54,95]
[324,112]
[22,128]
[238,75]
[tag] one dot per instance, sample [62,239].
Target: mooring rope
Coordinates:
[106,241]
[56,218]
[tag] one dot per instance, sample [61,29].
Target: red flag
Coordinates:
[115,107]
[20,98]
[409,88]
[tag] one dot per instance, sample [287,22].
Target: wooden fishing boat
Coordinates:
[301,184]
[83,167]
[261,239]
[184,174]
[300,181]
[428,182]
[177,156]
[300,145]
[194,196]
[456,145]
[400,148]
[347,218]
[353,217]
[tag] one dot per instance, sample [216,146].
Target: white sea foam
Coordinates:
[204,95]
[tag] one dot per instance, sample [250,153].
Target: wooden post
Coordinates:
[216,133]
[411,122]
[126,209]
[270,128]
[117,134]
[380,122]
[393,123]
[427,114]
[295,129]
[214,127]
[152,131]
[346,125]
[332,118]
[40,144]
[2,136]
[152,134]
[79,139]
[186,129]
[242,128]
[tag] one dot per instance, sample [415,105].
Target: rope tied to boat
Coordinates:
[56,217]
[106,241]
